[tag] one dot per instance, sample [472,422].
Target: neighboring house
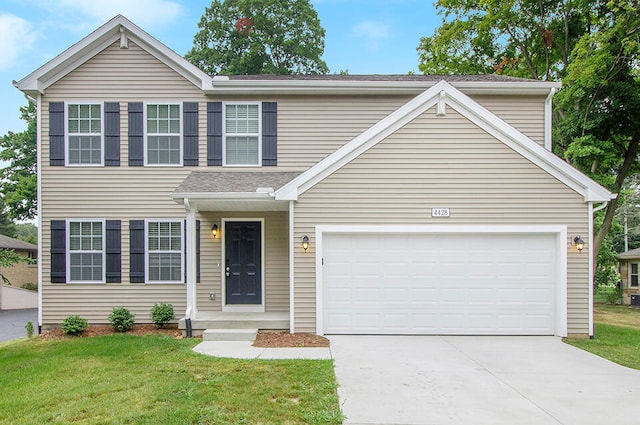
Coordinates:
[629,263]
[13,297]
[403,204]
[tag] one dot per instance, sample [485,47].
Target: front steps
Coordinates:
[229,334]
[234,321]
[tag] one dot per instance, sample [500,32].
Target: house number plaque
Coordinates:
[439,212]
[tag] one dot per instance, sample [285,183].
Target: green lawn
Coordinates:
[155,379]
[617,335]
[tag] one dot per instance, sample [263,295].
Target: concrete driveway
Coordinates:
[480,380]
[12,323]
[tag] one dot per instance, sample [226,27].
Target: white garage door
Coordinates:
[465,284]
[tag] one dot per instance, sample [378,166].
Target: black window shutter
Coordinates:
[190,133]
[114,253]
[136,251]
[214,133]
[56,133]
[112,134]
[197,251]
[136,134]
[58,251]
[269,133]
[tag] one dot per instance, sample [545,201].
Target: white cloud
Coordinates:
[372,32]
[16,35]
[147,14]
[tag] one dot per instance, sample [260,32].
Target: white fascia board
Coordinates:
[476,113]
[345,87]
[98,40]
[472,110]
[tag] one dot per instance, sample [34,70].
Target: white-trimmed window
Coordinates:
[164,240]
[242,134]
[84,134]
[86,251]
[163,134]
[633,276]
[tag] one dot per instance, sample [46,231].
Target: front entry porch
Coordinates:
[236,320]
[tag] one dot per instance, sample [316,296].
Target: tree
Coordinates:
[259,37]
[7,227]
[598,110]
[27,232]
[522,38]
[19,181]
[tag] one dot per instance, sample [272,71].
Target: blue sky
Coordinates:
[362,36]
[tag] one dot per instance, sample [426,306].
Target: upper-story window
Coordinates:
[84,134]
[163,135]
[242,134]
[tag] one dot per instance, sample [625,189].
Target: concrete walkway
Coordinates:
[244,350]
[12,323]
[480,380]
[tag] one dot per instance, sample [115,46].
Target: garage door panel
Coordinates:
[439,284]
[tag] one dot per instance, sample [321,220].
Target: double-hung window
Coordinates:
[84,134]
[164,251]
[163,138]
[242,134]
[634,275]
[86,251]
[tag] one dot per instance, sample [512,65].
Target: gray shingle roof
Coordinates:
[233,181]
[384,77]
[10,243]
[632,253]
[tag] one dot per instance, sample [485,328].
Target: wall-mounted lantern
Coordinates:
[579,243]
[305,243]
[214,231]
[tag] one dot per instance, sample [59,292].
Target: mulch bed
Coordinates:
[270,339]
[264,339]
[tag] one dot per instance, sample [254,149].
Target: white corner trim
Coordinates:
[39,202]
[560,232]
[591,260]
[548,120]
[292,297]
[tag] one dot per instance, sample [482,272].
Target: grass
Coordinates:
[155,379]
[617,335]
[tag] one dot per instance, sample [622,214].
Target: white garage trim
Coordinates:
[559,231]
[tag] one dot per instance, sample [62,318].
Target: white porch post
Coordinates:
[191,258]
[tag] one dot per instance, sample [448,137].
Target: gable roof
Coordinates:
[118,28]
[443,94]
[10,243]
[630,255]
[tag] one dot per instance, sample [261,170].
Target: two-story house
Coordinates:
[409,204]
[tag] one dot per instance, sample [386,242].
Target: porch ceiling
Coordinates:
[233,190]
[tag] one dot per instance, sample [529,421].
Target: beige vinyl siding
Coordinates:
[276,256]
[441,162]
[526,113]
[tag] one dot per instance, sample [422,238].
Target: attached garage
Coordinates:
[458,280]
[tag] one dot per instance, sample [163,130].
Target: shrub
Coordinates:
[29,328]
[121,319]
[30,286]
[161,314]
[74,325]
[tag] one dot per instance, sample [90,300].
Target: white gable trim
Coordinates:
[472,110]
[116,29]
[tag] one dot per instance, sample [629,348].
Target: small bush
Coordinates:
[74,325]
[29,328]
[161,314]
[30,286]
[121,319]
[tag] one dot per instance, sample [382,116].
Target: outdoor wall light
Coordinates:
[305,243]
[214,231]
[579,243]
